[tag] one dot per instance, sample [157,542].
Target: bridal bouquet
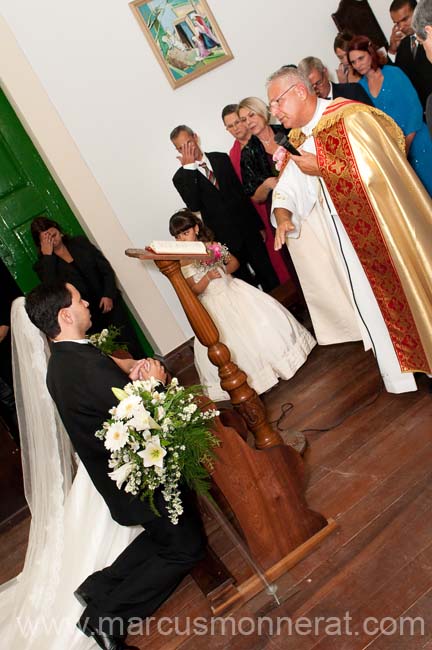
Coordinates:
[106,340]
[157,438]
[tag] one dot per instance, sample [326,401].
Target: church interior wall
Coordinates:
[85,83]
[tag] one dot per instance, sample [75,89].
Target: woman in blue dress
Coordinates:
[392,92]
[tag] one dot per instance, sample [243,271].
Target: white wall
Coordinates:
[100,74]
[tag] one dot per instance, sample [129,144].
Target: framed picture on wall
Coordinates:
[184,36]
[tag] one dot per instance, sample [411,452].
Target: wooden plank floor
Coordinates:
[369,581]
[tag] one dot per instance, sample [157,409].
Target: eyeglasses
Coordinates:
[274,103]
[318,83]
[242,120]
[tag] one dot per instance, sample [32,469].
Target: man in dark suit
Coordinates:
[422,24]
[208,184]
[406,52]
[314,69]
[80,379]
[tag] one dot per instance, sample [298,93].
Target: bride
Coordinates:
[37,608]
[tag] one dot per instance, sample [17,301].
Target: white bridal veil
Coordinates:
[71,534]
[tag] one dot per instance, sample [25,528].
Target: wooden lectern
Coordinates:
[264,486]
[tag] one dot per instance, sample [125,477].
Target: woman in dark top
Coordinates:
[77,261]
[9,291]
[259,174]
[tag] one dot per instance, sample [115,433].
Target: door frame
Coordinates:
[61,155]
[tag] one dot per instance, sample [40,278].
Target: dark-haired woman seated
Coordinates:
[77,261]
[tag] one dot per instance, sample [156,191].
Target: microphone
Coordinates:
[281,139]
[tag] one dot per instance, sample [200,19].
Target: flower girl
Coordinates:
[264,339]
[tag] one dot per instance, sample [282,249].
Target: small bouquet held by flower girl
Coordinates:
[219,255]
[157,439]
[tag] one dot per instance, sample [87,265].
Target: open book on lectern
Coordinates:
[181,247]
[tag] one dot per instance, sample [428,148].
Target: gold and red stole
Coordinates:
[387,215]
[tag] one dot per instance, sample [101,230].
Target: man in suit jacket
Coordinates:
[314,69]
[422,24]
[208,184]
[80,379]
[406,52]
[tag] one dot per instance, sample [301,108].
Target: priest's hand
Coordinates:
[307,162]
[284,226]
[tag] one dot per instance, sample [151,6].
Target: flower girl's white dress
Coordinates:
[264,339]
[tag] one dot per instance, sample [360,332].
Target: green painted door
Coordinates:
[27,190]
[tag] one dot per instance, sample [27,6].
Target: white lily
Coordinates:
[119,393]
[153,454]
[120,474]
[160,412]
[142,420]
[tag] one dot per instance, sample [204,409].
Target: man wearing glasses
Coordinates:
[405,50]
[422,23]
[239,130]
[318,75]
[358,223]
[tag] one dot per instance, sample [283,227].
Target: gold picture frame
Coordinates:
[184,36]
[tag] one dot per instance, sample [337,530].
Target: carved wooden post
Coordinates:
[233,380]
[264,487]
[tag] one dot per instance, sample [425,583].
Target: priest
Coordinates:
[357,222]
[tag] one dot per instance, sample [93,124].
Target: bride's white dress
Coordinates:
[72,533]
[264,339]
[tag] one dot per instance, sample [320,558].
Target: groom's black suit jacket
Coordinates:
[226,211]
[79,380]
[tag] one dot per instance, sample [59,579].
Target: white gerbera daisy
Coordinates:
[117,436]
[128,407]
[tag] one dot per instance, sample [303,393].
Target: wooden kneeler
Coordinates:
[264,487]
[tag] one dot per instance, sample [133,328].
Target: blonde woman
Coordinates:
[259,175]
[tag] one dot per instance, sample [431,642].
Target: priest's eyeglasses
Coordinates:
[274,103]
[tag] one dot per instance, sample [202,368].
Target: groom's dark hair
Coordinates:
[43,305]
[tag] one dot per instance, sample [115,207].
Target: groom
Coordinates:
[79,380]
